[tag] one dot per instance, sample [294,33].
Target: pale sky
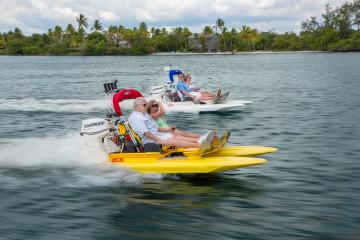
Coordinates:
[277,15]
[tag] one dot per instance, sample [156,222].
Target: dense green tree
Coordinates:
[356,14]
[70,36]
[58,34]
[266,39]
[310,25]
[207,32]
[338,30]
[287,41]
[245,34]
[18,33]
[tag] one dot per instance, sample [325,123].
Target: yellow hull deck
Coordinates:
[192,161]
[185,165]
[242,151]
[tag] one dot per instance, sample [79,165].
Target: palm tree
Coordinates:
[69,33]
[18,33]
[70,30]
[234,37]
[207,32]
[177,32]
[156,39]
[164,37]
[97,26]
[152,31]
[112,34]
[219,24]
[143,27]
[245,34]
[186,33]
[253,37]
[129,36]
[82,21]
[58,34]
[202,39]
[50,34]
[141,34]
[226,39]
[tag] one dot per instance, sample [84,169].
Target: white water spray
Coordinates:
[64,151]
[52,105]
[66,158]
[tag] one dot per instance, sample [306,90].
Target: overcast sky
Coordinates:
[277,15]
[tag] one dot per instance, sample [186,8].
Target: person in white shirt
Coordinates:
[149,132]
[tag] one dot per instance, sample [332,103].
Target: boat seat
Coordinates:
[130,146]
[174,97]
[152,147]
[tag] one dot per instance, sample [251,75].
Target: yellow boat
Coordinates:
[186,161]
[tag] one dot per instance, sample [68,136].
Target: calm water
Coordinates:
[306,104]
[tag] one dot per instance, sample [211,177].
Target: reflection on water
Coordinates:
[192,205]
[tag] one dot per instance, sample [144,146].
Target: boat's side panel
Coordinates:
[203,165]
[242,151]
[191,107]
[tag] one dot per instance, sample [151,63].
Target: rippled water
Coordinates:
[306,104]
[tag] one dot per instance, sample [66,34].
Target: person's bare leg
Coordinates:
[182,138]
[187,134]
[208,94]
[182,144]
[203,98]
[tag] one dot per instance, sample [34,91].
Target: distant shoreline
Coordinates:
[232,53]
[179,53]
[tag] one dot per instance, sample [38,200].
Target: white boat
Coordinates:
[165,94]
[189,106]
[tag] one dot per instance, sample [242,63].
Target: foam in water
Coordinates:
[66,158]
[52,105]
[64,151]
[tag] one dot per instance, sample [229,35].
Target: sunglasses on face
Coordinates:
[156,105]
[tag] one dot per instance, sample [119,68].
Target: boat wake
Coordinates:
[52,105]
[64,151]
[65,158]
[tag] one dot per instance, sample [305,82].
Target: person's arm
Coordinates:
[161,129]
[182,89]
[153,137]
[186,93]
[160,113]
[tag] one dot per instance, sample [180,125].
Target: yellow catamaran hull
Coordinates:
[191,160]
[242,151]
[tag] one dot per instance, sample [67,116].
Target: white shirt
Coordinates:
[142,123]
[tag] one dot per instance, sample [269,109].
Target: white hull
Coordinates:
[191,107]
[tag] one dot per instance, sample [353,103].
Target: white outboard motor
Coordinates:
[158,91]
[94,131]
